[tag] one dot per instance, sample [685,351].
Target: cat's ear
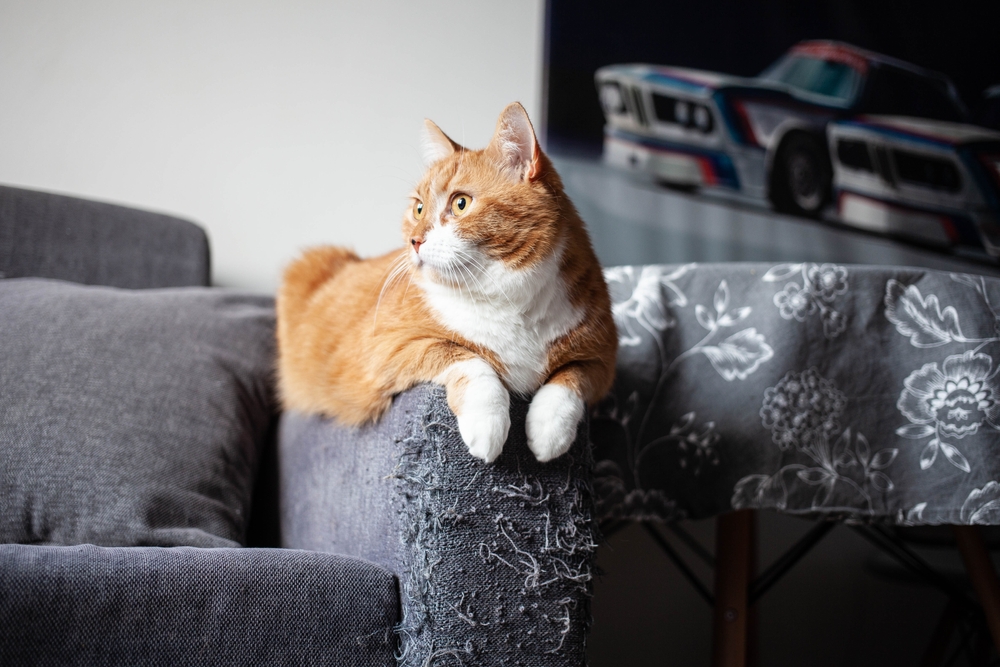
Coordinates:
[515,146]
[435,143]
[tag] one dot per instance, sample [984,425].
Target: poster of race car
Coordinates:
[854,114]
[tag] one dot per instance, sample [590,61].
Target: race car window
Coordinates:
[926,171]
[893,91]
[854,154]
[834,80]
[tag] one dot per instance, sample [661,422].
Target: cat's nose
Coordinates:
[416,243]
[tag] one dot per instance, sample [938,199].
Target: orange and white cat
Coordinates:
[497,290]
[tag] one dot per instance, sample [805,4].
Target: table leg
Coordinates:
[733,558]
[982,574]
[753,638]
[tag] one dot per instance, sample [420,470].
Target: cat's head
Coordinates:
[495,210]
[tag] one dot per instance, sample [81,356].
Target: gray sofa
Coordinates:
[155,507]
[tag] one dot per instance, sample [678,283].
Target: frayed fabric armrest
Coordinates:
[494,560]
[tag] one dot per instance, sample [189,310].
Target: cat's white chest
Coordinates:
[518,320]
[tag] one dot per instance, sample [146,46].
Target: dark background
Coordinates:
[959,39]
[844,603]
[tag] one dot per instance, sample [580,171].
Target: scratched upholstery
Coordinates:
[494,560]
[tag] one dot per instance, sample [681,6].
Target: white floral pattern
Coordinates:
[795,302]
[920,319]
[911,517]
[955,399]
[694,447]
[734,358]
[983,505]
[646,310]
[802,412]
[737,356]
[645,307]
[821,285]
[802,408]
[892,413]
[826,281]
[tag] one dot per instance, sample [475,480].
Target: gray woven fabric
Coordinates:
[130,417]
[865,393]
[494,560]
[149,606]
[52,236]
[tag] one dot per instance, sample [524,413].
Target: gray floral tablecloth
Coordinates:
[862,393]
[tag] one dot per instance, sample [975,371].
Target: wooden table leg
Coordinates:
[982,574]
[733,554]
[753,638]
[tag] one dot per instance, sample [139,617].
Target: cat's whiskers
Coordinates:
[393,265]
[482,289]
[395,271]
[464,255]
[408,283]
[470,274]
[453,274]
[458,279]
[467,271]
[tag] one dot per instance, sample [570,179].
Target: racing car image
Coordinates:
[886,142]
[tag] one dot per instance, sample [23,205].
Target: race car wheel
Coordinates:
[801,176]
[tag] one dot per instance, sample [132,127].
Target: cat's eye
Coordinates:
[460,204]
[418,210]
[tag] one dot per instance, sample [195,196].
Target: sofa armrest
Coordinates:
[90,605]
[494,560]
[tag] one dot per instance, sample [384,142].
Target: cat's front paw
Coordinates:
[553,416]
[484,432]
[481,404]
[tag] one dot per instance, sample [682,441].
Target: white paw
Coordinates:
[482,406]
[553,416]
[484,432]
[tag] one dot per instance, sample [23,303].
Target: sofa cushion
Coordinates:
[131,417]
[89,605]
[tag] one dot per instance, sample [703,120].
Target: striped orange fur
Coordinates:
[497,290]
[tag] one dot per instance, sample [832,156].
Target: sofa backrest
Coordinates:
[53,236]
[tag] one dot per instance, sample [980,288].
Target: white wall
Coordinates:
[274,125]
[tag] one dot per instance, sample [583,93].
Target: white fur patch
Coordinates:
[553,416]
[516,314]
[484,411]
